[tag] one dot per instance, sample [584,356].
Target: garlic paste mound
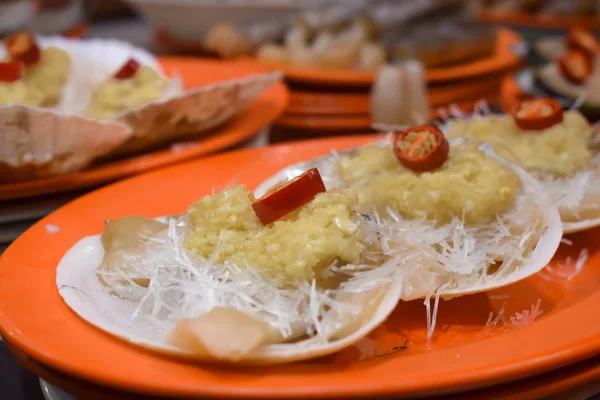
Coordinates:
[42,82]
[468,185]
[561,150]
[49,75]
[224,226]
[20,93]
[117,96]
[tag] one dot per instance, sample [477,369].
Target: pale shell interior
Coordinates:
[535,262]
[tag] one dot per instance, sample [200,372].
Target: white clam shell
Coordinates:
[535,262]
[83,292]
[36,143]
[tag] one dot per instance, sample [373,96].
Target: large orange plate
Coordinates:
[34,319]
[194,72]
[579,380]
[503,59]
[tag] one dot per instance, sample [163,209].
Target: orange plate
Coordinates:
[325,122]
[35,320]
[503,59]
[194,72]
[321,104]
[510,93]
[356,122]
[574,380]
[328,103]
[545,21]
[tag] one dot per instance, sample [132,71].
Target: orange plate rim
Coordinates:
[31,306]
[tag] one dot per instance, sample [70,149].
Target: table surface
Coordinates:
[16,383]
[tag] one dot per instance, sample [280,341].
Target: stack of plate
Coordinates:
[326,102]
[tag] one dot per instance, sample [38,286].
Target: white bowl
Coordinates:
[16,15]
[189,19]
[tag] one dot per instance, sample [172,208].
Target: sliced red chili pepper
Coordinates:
[11,71]
[584,41]
[289,197]
[537,114]
[575,66]
[421,148]
[128,70]
[23,47]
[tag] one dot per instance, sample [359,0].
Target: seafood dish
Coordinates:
[65,103]
[319,255]
[558,147]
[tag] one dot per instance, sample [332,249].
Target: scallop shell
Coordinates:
[43,142]
[35,143]
[540,257]
[177,114]
[568,226]
[193,112]
[83,292]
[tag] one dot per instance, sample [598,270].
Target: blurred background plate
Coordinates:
[502,59]
[194,72]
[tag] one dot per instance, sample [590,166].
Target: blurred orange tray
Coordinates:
[328,103]
[504,58]
[464,355]
[544,21]
[325,122]
[194,72]
[355,122]
[320,104]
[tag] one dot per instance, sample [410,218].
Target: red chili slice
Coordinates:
[584,41]
[289,197]
[128,70]
[575,66]
[537,114]
[11,71]
[421,148]
[23,47]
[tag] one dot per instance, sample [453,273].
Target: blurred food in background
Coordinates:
[188,21]
[359,35]
[443,39]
